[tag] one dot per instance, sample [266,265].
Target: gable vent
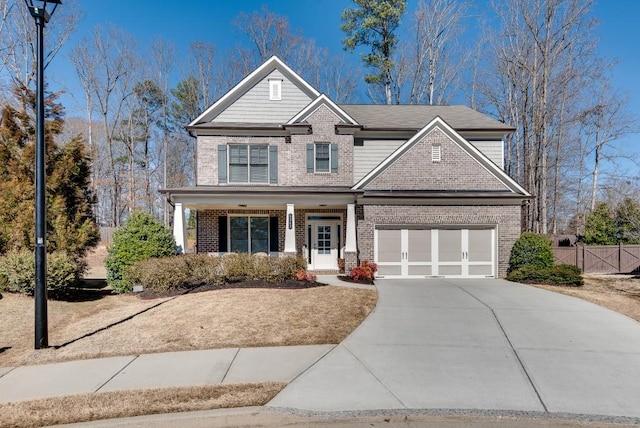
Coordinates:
[436,153]
[275,89]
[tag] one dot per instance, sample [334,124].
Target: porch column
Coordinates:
[350,244]
[290,231]
[179,228]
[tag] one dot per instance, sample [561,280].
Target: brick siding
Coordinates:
[507,219]
[456,170]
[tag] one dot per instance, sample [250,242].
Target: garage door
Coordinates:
[422,252]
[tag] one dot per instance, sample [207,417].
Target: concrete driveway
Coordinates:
[478,345]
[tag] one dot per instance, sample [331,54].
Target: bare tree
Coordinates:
[105,64]
[18,41]
[540,44]
[435,56]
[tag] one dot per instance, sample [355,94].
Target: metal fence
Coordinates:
[601,258]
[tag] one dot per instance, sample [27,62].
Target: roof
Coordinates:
[416,116]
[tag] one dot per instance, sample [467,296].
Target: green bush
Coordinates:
[17,272]
[141,238]
[531,249]
[556,275]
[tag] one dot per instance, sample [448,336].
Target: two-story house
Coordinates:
[282,169]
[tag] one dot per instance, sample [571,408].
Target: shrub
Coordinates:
[162,275]
[531,249]
[17,272]
[365,272]
[141,238]
[159,274]
[556,275]
[303,275]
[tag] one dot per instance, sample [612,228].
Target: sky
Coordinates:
[185,21]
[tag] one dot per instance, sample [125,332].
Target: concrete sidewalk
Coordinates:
[171,369]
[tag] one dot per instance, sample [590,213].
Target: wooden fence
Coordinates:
[600,259]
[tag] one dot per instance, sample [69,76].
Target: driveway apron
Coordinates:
[480,345]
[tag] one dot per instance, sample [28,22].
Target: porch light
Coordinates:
[41,13]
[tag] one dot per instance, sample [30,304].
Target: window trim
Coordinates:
[249,217]
[248,164]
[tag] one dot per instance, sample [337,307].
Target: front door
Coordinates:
[324,245]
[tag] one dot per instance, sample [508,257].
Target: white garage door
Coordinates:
[421,251]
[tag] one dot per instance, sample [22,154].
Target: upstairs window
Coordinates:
[275,89]
[248,163]
[322,157]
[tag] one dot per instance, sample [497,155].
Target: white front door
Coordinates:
[324,245]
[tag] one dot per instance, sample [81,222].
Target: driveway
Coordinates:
[478,345]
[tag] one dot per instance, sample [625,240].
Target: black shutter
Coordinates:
[222,234]
[310,158]
[222,163]
[334,158]
[273,234]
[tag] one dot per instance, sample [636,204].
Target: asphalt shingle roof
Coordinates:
[417,116]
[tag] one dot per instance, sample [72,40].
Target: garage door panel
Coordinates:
[482,270]
[450,245]
[453,270]
[389,245]
[480,245]
[420,270]
[389,270]
[419,245]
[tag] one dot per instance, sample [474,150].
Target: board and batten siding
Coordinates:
[256,107]
[369,155]
[494,150]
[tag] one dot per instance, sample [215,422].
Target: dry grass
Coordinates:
[620,293]
[207,320]
[109,405]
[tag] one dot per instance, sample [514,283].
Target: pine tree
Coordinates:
[71,225]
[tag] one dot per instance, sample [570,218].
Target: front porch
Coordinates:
[319,227]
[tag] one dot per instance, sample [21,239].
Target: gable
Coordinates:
[256,105]
[461,167]
[250,101]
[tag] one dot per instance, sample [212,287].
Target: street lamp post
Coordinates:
[41,15]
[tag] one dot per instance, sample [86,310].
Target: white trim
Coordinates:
[315,105]
[315,158]
[245,84]
[482,159]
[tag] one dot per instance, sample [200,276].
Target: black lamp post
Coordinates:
[41,15]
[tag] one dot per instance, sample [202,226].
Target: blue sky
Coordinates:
[183,22]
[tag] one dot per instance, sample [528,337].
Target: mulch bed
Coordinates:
[351,280]
[289,284]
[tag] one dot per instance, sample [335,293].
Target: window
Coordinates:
[322,157]
[436,153]
[275,89]
[248,164]
[249,234]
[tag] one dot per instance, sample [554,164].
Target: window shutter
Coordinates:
[273,234]
[222,234]
[273,164]
[334,158]
[310,157]
[222,163]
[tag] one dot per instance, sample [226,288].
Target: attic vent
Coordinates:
[275,89]
[435,153]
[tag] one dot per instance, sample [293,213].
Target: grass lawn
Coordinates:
[112,325]
[618,292]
